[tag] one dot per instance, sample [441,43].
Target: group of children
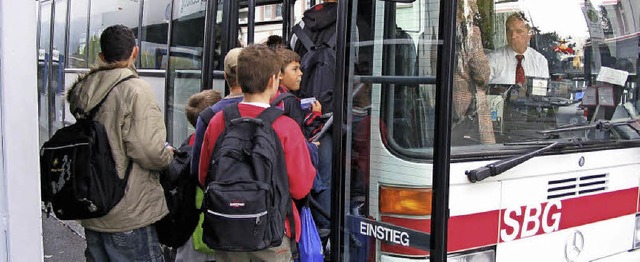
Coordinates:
[259,76]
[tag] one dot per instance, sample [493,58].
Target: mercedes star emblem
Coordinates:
[573,246]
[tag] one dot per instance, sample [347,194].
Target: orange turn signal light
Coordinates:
[405,200]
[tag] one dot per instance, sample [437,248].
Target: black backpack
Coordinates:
[206,115]
[77,172]
[319,67]
[247,195]
[180,193]
[282,97]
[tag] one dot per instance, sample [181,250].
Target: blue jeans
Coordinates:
[137,245]
[322,192]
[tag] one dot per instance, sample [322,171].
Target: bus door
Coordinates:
[44,56]
[51,59]
[58,60]
[387,131]
[184,62]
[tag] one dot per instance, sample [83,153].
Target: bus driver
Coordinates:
[510,64]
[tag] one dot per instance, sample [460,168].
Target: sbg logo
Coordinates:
[530,220]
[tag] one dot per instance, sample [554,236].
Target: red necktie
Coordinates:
[519,71]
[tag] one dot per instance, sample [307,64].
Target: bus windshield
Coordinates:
[526,71]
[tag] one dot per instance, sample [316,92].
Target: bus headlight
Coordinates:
[481,256]
[636,239]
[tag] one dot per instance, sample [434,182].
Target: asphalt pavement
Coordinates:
[63,240]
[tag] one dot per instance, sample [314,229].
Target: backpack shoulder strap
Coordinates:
[303,37]
[230,113]
[281,97]
[206,115]
[130,165]
[270,114]
[95,109]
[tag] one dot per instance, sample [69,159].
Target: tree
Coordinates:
[545,44]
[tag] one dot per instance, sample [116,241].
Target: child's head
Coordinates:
[257,65]
[291,73]
[230,66]
[199,102]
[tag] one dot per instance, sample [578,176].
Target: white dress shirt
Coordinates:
[503,65]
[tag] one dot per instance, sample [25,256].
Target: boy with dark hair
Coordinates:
[290,78]
[137,134]
[117,44]
[319,25]
[309,121]
[258,71]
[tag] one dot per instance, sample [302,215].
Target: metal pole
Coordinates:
[229,30]
[87,38]
[251,22]
[444,87]
[338,206]
[287,21]
[66,41]
[51,94]
[168,78]
[140,22]
[209,47]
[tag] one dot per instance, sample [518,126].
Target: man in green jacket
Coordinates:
[137,134]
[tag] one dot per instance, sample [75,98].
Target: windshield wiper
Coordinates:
[503,165]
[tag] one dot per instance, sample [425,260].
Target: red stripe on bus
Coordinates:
[465,232]
[473,230]
[588,209]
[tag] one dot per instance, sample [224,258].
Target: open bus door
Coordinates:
[392,141]
[393,95]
